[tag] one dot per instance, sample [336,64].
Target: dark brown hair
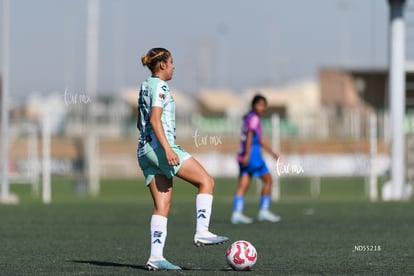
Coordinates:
[257,98]
[155,56]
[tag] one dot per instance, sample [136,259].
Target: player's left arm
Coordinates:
[268,148]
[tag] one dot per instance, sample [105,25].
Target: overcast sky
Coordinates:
[218,43]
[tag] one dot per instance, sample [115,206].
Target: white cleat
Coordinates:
[208,238]
[266,215]
[161,265]
[240,218]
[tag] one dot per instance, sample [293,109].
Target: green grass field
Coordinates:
[338,233]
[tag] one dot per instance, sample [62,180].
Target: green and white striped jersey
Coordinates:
[155,92]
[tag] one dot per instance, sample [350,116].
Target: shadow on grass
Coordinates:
[109,264]
[141,267]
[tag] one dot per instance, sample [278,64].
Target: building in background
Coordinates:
[349,95]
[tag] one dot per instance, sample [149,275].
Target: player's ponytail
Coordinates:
[155,56]
[144,60]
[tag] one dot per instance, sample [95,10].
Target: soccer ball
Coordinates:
[241,255]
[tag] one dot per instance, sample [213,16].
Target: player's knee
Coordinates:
[267,180]
[207,183]
[211,181]
[267,183]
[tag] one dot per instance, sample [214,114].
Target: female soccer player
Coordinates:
[160,159]
[251,164]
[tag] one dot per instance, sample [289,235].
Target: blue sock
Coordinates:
[265,202]
[238,203]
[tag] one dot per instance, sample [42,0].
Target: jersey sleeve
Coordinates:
[159,95]
[253,123]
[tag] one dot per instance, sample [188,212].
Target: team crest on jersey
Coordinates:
[164,87]
[161,96]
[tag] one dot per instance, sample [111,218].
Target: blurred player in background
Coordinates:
[252,164]
[160,159]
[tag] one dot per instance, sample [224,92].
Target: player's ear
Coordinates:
[162,65]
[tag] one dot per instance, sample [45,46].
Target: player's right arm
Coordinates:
[248,149]
[158,96]
[155,121]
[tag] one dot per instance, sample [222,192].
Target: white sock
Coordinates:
[203,208]
[158,236]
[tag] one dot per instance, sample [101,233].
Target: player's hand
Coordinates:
[275,155]
[245,161]
[172,158]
